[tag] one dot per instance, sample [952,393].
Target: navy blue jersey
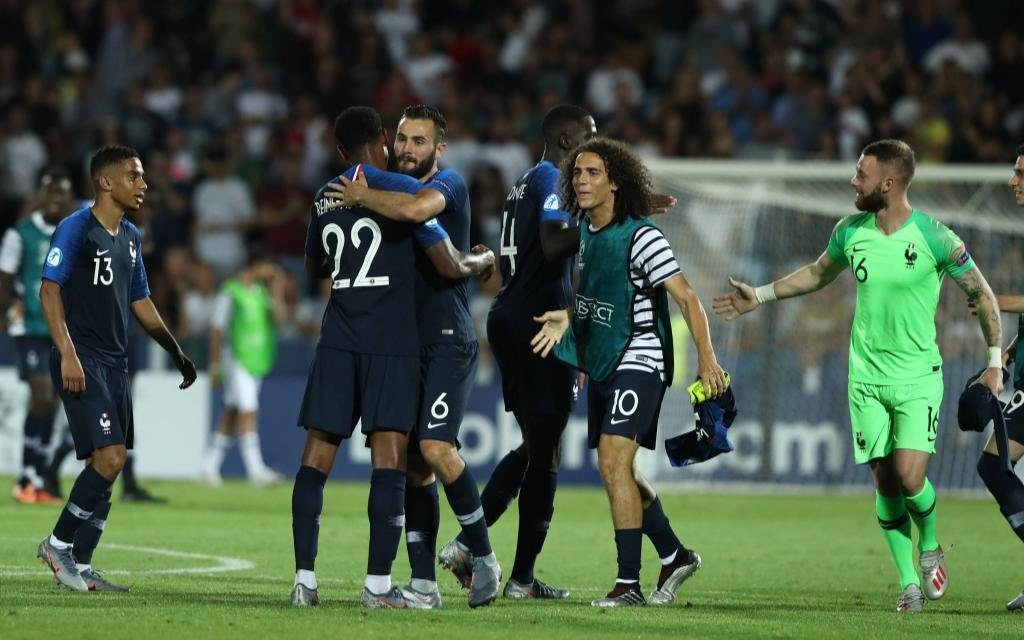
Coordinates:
[529,283]
[442,304]
[372,306]
[100,275]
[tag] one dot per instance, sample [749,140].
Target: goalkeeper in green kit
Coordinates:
[898,256]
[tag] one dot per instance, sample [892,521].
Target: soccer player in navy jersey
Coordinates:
[367,363]
[93,275]
[449,352]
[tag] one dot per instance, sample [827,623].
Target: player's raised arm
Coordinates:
[808,278]
[708,369]
[147,315]
[974,285]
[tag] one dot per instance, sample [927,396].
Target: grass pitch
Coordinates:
[217,563]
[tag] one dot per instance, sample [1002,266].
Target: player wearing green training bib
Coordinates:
[898,256]
[22,254]
[246,311]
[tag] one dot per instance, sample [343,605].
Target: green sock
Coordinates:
[922,510]
[895,523]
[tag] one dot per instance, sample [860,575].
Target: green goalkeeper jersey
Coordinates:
[898,281]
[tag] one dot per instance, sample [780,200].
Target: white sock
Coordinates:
[621,581]
[82,567]
[378,584]
[249,445]
[306,578]
[423,585]
[490,559]
[218,448]
[58,543]
[669,559]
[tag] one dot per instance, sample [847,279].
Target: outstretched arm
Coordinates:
[147,315]
[806,279]
[395,205]
[980,295]
[708,369]
[558,240]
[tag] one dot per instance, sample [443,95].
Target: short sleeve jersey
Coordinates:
[531,284]
[372,304]
[100,275]
[442,305]
[899,277]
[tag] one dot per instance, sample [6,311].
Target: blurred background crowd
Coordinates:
[231,101]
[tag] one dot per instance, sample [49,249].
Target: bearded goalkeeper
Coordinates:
[898,256]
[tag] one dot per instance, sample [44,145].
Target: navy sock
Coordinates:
[307,503]
[33,448]
[465,502]
[88,535]
[85,495]
[422,520]
[386,510]
[67,445]
[536,506]
[1006,489]
[657,527]
[627,545]
[501,489]
[128,474]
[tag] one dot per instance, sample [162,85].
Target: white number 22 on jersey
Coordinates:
[362,278]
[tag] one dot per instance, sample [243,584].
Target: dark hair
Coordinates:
[561,118]
[356,126]
[426,112]
[216,152]
[624,168]
[106,156]
[1020,150]
[895,153]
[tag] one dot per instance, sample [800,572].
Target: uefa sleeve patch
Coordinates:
[964,257]
[552,202]
[54,257]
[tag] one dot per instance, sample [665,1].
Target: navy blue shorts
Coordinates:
[626,404]
[33,355]
[531,385]
[345,387]
[101,416]
[1014,412]
[448,371]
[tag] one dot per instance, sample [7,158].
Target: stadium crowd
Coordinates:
[231,101]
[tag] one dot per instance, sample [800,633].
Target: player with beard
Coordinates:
[22,257]
[1005,488]
[448,356]
[898,256]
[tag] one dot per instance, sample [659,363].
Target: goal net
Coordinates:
[760,220]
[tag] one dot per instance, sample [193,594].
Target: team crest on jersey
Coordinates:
[911,255]
[131,250]
[54,257]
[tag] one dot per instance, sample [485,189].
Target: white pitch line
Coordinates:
[224,563]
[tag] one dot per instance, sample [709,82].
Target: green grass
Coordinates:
[778,566]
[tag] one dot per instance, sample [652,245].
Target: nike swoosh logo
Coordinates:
[100,253]
[858,249]
[614,421]
[431,425]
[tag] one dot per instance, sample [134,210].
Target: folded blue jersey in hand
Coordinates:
[710,438]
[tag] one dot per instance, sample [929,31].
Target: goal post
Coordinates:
[757,221]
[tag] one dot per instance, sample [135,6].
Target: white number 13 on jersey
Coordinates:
[362,278]
[106,277]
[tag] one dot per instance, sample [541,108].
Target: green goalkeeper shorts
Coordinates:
[899,416]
